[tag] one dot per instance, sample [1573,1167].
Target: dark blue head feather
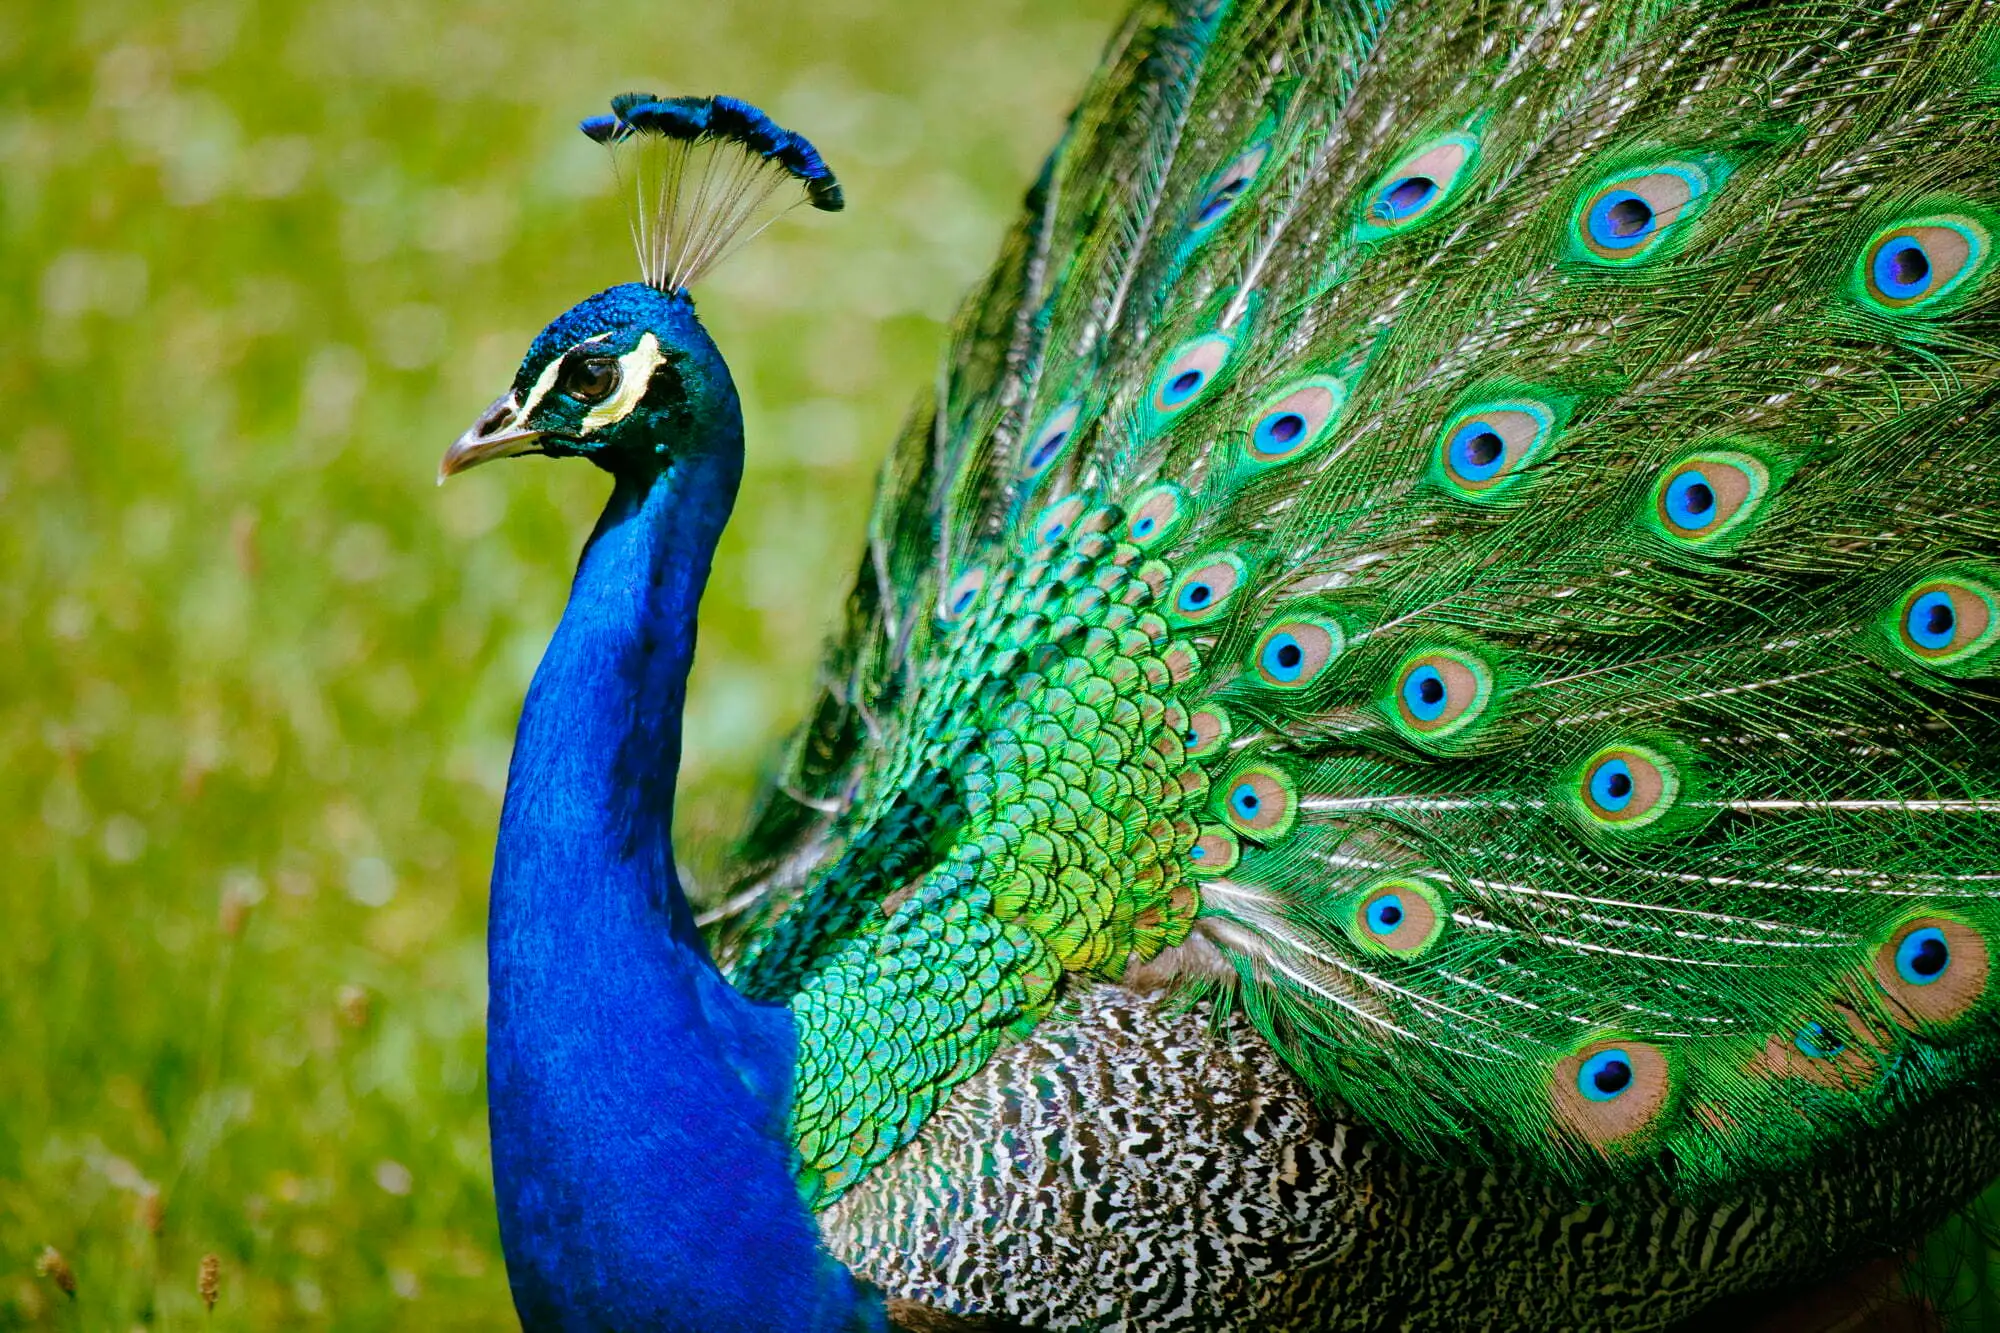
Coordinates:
[593,386]
[722,118]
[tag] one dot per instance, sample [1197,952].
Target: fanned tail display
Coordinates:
[1475,529]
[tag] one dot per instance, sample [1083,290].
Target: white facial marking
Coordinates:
[636,369]
[547,379]
[543,384]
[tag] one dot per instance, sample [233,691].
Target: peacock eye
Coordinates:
[1054,434]
[1260,802]
[1485,447]
[1627,786]
[1203,591]
[1208,730]
[1708,495]
[962,595]
[1920,262]
[1292,653]
[1156,514]
[1229,187]
[1612,1090]
[1415,187]
[1397,916]
[1950,623]
[1187,374]
[591,379]
[1935,969]
[1627,218]
[1818,1041]
[1605,1075]
[1294,420]
[1923,956]
[1440,693]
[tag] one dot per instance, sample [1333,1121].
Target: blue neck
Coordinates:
[638,1103]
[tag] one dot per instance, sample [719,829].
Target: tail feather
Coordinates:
[1546,455]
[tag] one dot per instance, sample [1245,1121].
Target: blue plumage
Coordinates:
[638,1102]
[726,118]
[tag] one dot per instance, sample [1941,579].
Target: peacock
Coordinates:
[1416,743]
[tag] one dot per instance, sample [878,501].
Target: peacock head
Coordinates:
[629,378]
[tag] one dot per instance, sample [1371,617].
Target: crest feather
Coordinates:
[706,175]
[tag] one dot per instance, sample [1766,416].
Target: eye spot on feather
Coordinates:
[1215,852]
[1229,187]
[1048,442]
[1902,269]
[961,595]
[1611,1091]
[1208,731]
[1294,421]
[1188,374]
[1950,624]
[1627,219]
[1627,786]
[1405,198]
[1923,956]
[1056,522]
[1440,693]
[1706,495]
[1259,802]
[1933,970]
[1816,1041]
[1476,450]
[1205,591]
[1605,1076]
[1415,189]
[1155,515]
[1402,916]
[1292,654]
[1839,1055]
[1489,444]
[1920,263]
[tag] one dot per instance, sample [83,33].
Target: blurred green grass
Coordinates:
[258,677]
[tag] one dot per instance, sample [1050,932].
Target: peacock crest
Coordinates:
[705,175]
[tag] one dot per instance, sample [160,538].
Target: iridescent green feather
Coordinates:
[1689,843]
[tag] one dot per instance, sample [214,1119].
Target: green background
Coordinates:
[258,676]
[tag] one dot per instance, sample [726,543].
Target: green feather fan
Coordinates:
[1475,529]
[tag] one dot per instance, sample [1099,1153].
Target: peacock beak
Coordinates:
[497,434]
